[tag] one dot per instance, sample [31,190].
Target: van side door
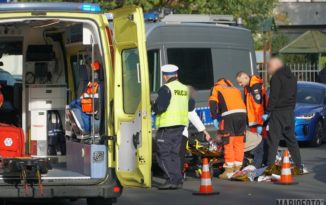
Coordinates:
[132,113]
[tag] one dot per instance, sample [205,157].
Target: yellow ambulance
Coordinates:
[77,85]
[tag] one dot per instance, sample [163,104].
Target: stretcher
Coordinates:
[15,166]
[25,171]
[198,148]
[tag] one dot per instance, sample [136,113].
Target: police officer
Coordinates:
[171,108]
[255,99]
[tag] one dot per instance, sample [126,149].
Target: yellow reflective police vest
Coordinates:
[177,111]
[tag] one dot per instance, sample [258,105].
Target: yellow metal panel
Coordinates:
[129,32]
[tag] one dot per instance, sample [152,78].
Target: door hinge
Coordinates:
[106,138]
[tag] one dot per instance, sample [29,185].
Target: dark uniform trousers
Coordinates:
[281,125]
[182,152]
[168,141]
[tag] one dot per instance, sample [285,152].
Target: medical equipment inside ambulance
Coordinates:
[62,104]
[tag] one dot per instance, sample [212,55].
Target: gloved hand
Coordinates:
[216,124]
[259,130]
[265,117]
[207,136]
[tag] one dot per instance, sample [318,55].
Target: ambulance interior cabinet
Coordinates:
[41,99]
[39,131]
[87,159]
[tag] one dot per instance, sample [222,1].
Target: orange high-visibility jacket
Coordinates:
[225,99]
[87,98]
[255,100]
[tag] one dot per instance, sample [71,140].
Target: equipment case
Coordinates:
[12,141]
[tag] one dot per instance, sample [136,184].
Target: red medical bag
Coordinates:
[12,141]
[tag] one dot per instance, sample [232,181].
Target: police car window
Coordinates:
[131,80]
[195,66]
[154,69]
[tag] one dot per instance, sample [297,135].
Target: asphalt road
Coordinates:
[312,186]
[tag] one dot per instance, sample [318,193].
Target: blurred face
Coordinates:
[243,80]
[273,65]
[167,77]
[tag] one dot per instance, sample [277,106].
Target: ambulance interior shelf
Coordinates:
[46,92]
[41,66]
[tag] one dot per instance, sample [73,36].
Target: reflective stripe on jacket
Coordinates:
[177,111]
[227,97]
[255,100]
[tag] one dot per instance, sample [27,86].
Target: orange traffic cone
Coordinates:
[206,187]
[286,175]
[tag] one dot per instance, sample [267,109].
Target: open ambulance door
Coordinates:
[132,113]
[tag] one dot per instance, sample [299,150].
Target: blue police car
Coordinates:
[310,113]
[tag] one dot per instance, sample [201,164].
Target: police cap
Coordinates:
[169,69]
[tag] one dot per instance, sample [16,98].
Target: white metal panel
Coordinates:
[38,125]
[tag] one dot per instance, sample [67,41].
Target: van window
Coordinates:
[228,61]
[130,80]
[154,64]
[195,66]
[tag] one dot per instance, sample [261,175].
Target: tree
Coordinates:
[251,11]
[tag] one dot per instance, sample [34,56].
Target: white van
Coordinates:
[203,51]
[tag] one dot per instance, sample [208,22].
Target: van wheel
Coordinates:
[318,136]
[99,201]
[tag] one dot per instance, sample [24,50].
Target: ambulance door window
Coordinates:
[131,80]
[154,63]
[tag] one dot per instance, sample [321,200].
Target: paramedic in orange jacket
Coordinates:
[255,99]
[229,115]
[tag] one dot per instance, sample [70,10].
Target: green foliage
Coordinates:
[279,40]
[253,12]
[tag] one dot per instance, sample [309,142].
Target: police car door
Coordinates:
[132,116]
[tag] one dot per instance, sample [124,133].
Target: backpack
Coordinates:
[56,136]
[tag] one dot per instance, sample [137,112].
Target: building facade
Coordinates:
[295,17]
